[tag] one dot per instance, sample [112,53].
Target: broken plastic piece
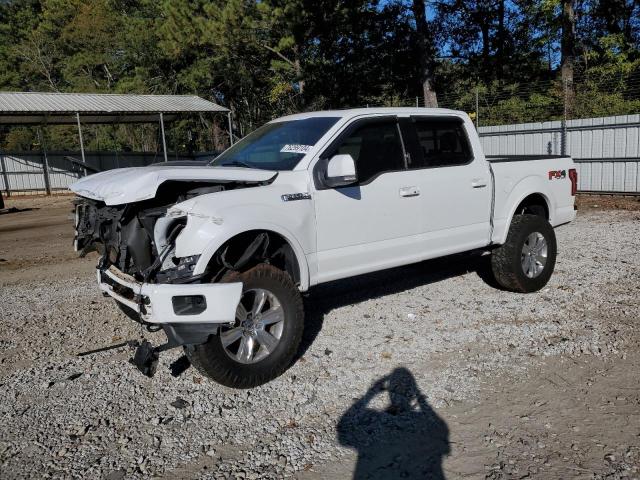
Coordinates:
[146,359]
[178,367]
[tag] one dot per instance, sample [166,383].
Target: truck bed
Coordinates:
[515,175]
[521,158]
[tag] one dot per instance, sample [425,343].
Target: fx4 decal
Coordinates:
[557,174]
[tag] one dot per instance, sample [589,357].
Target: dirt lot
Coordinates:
[419,372]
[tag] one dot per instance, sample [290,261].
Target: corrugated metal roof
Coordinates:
[97,103]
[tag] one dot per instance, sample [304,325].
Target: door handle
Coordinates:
[409,191]
[478,183]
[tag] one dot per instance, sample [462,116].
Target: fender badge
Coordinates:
[290,197]
[557,174]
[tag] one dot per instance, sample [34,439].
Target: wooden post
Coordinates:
[568,54]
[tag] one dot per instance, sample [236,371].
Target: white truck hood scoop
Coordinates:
[128,185]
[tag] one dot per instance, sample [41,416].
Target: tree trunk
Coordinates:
[298,69]
[568,49]
[425,49]
[486,48]
[500,57]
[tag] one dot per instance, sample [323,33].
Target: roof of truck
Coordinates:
[355,112]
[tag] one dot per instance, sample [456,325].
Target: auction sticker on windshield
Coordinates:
[296,148]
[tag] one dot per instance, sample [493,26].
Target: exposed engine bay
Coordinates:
[139,238]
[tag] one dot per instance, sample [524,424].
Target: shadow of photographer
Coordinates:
[407,439]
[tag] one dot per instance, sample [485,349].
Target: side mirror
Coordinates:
[341,171]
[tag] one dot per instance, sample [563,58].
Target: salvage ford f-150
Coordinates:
[218,255]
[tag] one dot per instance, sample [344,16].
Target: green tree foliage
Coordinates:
[268,58]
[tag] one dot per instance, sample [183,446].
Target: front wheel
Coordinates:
[526,260]
[265,336]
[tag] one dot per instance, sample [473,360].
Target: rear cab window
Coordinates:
[437,142]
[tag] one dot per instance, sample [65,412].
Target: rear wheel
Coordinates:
[526,260]
[263,340]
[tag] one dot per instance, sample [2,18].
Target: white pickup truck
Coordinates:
[219,254]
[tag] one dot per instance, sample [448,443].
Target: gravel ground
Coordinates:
[425,368]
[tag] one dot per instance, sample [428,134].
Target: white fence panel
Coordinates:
[606,149]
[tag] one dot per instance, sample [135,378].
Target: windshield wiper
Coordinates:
[236,163]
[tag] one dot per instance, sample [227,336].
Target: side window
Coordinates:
[375,148]
[442,143]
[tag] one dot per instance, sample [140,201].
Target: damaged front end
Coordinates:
[138,267]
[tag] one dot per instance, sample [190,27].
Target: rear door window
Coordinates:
[440,143]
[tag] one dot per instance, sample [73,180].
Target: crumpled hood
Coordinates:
[127,185]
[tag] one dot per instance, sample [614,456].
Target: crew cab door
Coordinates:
[375,222]
[456,189]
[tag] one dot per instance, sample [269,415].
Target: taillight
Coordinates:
[573,176]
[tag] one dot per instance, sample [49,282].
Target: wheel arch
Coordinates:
[527,193]
[534,204]
[293,259]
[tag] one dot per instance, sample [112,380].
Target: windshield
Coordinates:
[276,146]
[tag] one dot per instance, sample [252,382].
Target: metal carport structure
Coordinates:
[41,109]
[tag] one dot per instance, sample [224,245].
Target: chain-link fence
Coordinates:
[586,96]
[589,94]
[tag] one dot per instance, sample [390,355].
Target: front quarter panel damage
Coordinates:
[214,220]
[139,238]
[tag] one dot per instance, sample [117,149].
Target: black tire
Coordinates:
[506,261]
[213,361]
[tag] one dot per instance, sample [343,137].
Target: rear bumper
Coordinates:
[172,303]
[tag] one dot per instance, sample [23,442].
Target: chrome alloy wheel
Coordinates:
[257,329]
[534,255]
